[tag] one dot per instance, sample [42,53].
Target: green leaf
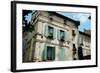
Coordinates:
[31,28]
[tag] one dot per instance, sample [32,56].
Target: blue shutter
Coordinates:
[46,30]
[58,34]
[44,56]
[54,34]
[66,35]
[62,54]
[53,53]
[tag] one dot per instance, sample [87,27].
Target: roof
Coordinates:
[85,33]
[66,18]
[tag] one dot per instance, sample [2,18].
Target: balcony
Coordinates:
[50,36]
[62,39]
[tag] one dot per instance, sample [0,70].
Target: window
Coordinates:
[50,32]
[73,32]
[62,35]
[49,53]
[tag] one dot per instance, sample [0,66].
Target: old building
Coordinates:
[85,42]
[54,38]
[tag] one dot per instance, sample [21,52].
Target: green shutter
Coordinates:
[46,30]
[53,53]
[66,35]
[58,34]
[44,56]
[62,54]
[54,33]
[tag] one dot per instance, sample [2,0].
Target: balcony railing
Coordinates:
[50,36]
[62,39]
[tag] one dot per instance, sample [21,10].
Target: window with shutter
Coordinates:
[48,53]
[50,32]
[62,35]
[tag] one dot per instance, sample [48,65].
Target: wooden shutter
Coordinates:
[53,53]
[54,33]
[46,30]
[62,54]
[44,56]
[58,34]
[67,35]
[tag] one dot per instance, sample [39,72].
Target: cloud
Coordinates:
[82,17]
[85,23]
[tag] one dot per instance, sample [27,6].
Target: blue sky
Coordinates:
[28,17]
[85,23]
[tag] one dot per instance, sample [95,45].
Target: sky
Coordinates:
[85,23]
[28,17]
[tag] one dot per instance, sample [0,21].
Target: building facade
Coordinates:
[54,38]
[85,40]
